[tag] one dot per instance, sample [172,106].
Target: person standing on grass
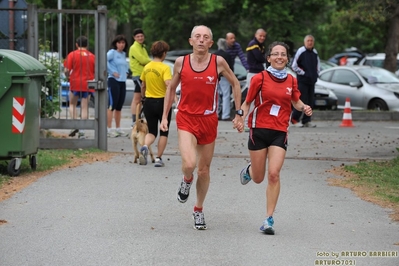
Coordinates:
[117,68]
[155,78]
[273,92]
[197,119]
[79,67]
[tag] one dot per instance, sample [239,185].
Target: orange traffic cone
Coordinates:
[347,118]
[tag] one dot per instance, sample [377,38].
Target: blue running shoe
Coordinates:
[143,155]
[244,175]
[267,226]
[159,162]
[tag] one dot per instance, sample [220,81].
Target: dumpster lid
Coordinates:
[17,63]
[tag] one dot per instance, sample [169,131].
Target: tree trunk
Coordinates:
[127,31]
[391,50]
[112,28]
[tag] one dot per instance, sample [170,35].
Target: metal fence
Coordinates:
[49,35]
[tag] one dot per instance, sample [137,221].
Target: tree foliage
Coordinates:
[371,26]
[174,20]
[116,9]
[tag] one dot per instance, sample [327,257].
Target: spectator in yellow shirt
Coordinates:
[155,78]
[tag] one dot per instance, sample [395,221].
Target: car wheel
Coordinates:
[378,105]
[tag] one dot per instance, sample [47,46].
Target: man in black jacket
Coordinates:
[256,56]
[306,64]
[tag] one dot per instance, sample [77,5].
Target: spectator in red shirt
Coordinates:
[79,67]
[343,61]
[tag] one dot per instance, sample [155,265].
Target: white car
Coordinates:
[366,87]
[378,61]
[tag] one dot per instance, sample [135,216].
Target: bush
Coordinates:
[50,96]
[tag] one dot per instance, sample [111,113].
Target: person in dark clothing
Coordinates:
[256,58]
[234,49]
[306,64]
[224,86]
[222,47]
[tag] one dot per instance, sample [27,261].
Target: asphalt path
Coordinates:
[121,213]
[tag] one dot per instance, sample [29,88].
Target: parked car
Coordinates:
[324,99]
[367,87]
[378,61]
[354,56]
[326,64]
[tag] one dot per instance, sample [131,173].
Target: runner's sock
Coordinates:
[188,180]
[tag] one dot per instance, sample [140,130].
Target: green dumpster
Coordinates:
[21,79]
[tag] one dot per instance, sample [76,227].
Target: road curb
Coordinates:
[356,115]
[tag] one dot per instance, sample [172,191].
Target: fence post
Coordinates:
[101,76]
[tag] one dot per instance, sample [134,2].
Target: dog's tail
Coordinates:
[138,110]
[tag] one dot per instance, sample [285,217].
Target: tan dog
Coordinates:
[139,131]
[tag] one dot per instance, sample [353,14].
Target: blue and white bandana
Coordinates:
[280,74]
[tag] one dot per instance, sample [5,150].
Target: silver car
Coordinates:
[324,99]
[377,60]
[366,87]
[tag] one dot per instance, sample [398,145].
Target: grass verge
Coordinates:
[377,182]
[382,178]
[47,160]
